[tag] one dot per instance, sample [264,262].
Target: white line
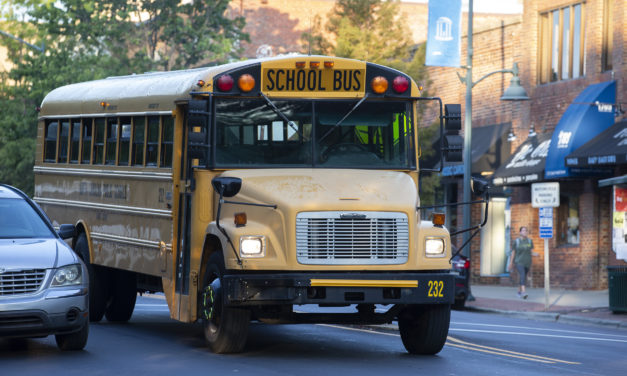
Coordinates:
[538,329]
[536,335]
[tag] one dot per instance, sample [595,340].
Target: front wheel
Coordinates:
[424,329]
[225,328]
[98,281]
[123,296]
[73,341]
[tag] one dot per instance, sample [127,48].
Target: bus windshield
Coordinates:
[314,133]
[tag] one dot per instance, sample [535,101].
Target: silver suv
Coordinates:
[43,283]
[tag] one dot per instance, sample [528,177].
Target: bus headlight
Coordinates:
[434,246]
[252,246]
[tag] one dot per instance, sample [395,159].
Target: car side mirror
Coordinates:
[67,231]
[226,186]
[480,186]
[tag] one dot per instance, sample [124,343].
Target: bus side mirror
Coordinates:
[453,142]
[226,186]
[197,125]
[479,186]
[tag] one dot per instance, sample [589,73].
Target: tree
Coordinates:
[92,39]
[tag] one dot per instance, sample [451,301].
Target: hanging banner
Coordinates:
[444,33]
[619,223]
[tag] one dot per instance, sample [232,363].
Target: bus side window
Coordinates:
[139,138]
[75,139]
[112,140]
[50,145]
[125,140]
[86,141]
[99,134]
[63,140]
[167,139]
[152,144]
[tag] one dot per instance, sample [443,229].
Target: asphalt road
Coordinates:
[478,344]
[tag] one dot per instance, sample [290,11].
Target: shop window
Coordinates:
[75,139]
[608,43]
[99,136]
[64,134]
[139,138]
[50,144]
[167,141]
[152,143]
[86,140]
[113,133]
[568,220]
[561,44]
[125,141]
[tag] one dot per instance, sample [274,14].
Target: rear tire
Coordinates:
[98,290]
[225,328]
[424,329]
[73,341]
[123,296]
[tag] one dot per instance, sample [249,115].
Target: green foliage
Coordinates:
[92,39]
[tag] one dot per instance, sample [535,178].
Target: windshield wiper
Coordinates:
[344,118]
[282,115]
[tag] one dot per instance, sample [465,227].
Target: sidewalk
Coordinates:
[581,307]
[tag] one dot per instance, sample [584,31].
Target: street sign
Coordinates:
[545,195]
[546,222]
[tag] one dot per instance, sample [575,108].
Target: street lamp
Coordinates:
[514,92]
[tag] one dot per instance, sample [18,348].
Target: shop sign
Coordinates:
[619,223]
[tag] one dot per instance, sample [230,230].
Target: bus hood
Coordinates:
[328,189]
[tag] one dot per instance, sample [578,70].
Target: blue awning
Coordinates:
[581,122]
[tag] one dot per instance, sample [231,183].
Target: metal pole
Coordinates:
[468,132]
[547,284]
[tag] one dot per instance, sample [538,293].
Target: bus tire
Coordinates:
[123,296]
[73,341]
[424,329]
[98,291]
[225,328]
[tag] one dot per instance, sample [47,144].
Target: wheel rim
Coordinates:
[212,306]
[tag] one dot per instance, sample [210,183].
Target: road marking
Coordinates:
[537,335]
[454,342]
[472,346]
[537,329]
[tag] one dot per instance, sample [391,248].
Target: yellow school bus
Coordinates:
[244,190]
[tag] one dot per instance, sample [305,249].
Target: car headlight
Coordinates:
[435,247]
[67,276]
[252,246]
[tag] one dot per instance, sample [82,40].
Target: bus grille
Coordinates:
[21,281]
[352,238]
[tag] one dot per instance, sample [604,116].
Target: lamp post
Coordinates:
[514,92]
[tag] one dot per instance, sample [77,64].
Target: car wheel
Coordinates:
[225,328]
[98,291]
[73,341]
[424,329]
[123,296]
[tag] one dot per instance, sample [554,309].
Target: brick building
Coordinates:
[571,55]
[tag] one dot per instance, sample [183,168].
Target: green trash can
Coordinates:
[617,283]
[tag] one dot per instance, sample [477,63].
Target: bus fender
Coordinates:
[81,227]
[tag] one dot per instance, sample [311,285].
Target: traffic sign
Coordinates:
[545,195]
[546,222]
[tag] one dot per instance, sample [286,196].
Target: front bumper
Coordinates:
[339,288]
[49,312]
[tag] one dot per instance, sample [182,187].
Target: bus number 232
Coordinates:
[435,289]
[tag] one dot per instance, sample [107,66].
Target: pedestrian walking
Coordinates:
[521,257]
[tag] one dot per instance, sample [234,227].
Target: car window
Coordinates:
[19,220]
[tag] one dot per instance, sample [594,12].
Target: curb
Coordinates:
[553,316]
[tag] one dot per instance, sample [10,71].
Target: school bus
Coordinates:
[243,190]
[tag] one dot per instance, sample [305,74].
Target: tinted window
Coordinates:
[75,140]
[112,139]
[125,141]
[19,220]
[139,135]
[99,133]
[50,146]
[87,128]
[63,140]
[152,146]
[167,141]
